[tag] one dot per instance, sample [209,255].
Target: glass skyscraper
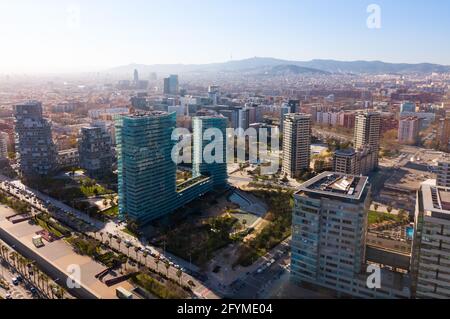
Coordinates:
[147,174]
[217,169]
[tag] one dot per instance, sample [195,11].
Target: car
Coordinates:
[8,296]
[15,282]
[33,290]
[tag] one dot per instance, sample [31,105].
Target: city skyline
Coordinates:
[81,36]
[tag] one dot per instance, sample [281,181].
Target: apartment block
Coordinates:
[36,152]
[95,151]
[431,246]
[296,143]
[408,130]
[329,238]
[367,133]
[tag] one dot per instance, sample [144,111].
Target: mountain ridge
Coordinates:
[264,63]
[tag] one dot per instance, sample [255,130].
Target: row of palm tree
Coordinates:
[145,254]
[30,271]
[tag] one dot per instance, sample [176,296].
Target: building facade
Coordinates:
[296,143]
[408,130]
[95,151]
[36,152]
[329,230]
[217,169]
[171,85]
[367,134]
[443,173]
[147,184]
[4,141]
[146,171]
[346,162]
[444,134]
[431,246]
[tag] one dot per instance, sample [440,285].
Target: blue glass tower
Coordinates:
[146,172]
[216,170]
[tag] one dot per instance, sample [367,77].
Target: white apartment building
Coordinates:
[431,246]
[296,143]
[329,238]
[443,173]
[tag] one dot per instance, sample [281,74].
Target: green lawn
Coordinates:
[167,290]
[95,190]
[378,217]
[199,241]
[111,212]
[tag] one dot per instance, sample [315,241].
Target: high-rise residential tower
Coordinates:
[431,246]
[443,172]
[216,166]
[296,143]
[35,149]
[367,133]
[444,134]
[4,139]
[408,130]
[95,151]
[171,85]
[346,161]
[146,171]
[329,227]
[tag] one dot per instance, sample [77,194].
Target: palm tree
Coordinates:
[244,222]
[167,265]
[62,292]
[128,245]
[179,274]
[101,235]
[145,254]
[119,241]
[157,260]
[6,253]
[46,282]
[35,270]
[41,281]
[53,287]
[125,263]
[136,250]
[13,256]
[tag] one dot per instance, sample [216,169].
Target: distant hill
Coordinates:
[293,69]
[277,66]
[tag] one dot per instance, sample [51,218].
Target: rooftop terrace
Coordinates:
[336,185]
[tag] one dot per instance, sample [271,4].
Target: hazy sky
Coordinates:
[49,35]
